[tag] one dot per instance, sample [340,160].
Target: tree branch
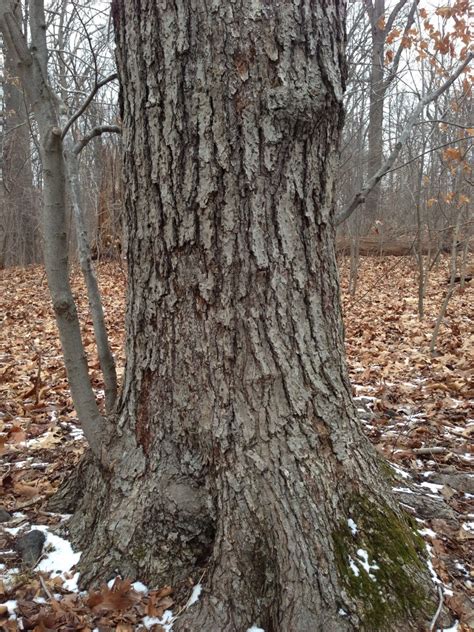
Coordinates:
[398,54]
[86,103]
[391,18]
[97,131]
[361,195]
[14,36]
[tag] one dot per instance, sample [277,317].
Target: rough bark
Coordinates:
[236,448]
[19,215]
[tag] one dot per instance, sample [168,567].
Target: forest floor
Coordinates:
[417,409]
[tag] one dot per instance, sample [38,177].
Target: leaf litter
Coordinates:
[416,409]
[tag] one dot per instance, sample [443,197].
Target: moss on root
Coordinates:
[396,590]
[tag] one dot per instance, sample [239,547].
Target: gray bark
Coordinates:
[106,358]
[19,213]
[32,68]
[376,11]
[237,449]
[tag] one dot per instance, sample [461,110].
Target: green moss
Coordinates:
[387,470]
[398,592]
[139,553]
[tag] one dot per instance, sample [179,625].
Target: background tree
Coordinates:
[236,450]
[19,234]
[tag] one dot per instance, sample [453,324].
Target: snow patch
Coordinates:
[364,560]
[254,628]
[11,606]
[427,532]
[432,486]
[12,530]
[139,587]
[60,560]
[166,621]
[352,526]
[455,628]
[197,590]
[399,471]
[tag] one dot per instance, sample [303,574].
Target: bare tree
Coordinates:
[58,170]
[19,235]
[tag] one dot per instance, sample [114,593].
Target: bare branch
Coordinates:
[87,102]
[361,195]
[396,61]
[97,131]
[393,15]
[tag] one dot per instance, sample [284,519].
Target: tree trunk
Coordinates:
[236,447]
[376,12]
[19,215]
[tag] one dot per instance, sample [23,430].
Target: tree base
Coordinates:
[258,568]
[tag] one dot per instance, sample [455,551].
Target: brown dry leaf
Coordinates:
[166,591]
[16,435]
[159,601]
[462,606]
[465,534]
[119,598]
[22,489]
[124,627]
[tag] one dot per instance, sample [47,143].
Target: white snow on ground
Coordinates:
[455,628]
[9,575]
[352,526]
[468,526]
[11,607]
[76,433]
[139,587]
[399,471]
[58,558]
[427,532]
[432,486]
[12,530]
[166,621]
[255,629]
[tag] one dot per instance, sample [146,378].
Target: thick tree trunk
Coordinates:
[237,448]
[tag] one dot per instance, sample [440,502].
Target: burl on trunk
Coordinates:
[236,449]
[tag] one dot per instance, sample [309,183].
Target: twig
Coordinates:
[46,589]
[438,611]
[87,101]
[97,131]
[187,604]
[433,450]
